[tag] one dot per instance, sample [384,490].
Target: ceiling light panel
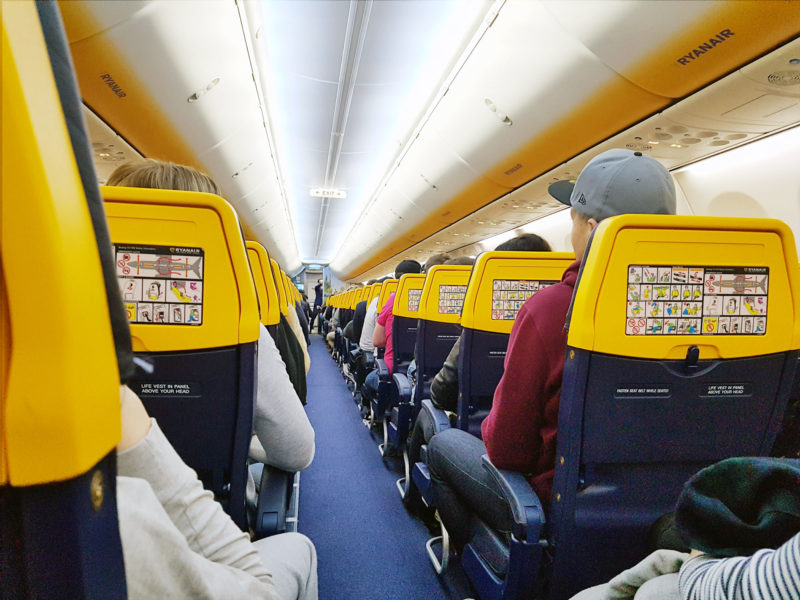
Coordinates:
[394,75]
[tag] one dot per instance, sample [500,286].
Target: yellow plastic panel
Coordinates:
[183,222]
[374,292]
[287,287]
[59,402]
[716,274]
[389,288]
[502,281]
[278,274]
[265,284]
[444,304]
[409,294]
[357,293]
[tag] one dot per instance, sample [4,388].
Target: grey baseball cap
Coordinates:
[618,182]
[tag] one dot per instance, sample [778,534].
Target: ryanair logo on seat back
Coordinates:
[705,47]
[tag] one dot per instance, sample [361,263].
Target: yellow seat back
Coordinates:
[265,283]
[443,293]
[59,396]
[726,285]
[183,269]
[408,295]
[501,282]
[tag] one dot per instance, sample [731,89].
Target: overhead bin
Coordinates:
[564,88]
[183,93]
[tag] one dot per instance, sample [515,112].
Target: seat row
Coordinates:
[682,349]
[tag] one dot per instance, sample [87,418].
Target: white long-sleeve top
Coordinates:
[766,575]
[280,423]
[370,320]
[176,540]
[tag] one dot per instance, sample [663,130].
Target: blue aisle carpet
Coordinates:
[369,547]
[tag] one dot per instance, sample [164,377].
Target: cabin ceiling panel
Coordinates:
[517,71]
[197,58]
[351,99]
[84,23]
[679,45]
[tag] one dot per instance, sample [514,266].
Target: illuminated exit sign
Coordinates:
[323,193]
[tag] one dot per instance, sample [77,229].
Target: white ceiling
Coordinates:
[346,83]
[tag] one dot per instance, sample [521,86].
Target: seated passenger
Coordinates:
[520,430]
[283,436]
[302,316]
[743,517]
[382,334]
[444,387]
[177,542]
[297,330]
[333,323]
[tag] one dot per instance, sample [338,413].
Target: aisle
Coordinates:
[369,548]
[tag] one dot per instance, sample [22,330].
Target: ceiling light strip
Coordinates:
[323,217]
[352,50]
[265,120]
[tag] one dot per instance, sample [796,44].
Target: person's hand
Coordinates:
[135,420]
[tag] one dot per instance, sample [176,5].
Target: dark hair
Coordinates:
[527,242]
[407,266]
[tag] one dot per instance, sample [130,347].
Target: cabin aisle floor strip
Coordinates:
[368,546]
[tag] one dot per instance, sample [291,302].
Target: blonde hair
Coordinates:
[162,175]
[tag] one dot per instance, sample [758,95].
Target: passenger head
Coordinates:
[162,175]
[527,242]
[407,266]
[371,281]
[436,259]
[616,182]
[461,260]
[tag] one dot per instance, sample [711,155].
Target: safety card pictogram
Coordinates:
[676,300]
[161,285]
[508,296]
[414,297]
[451,299]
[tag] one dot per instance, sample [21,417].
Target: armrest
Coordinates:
[274,492]
[383,370]
[403,387]
[526,508]
[439,417]
[369,361]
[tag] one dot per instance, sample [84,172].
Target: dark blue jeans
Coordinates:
[463,488]
[370,387]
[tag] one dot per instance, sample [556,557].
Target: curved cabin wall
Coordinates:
[547,81]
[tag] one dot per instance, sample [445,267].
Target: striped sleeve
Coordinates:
[766,575]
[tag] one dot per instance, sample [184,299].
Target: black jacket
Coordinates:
[444,387]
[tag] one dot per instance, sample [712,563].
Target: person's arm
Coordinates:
[766,575]
[176,539]
[510,431]
[294,324]
[444,387]
[379,336]
[279,422]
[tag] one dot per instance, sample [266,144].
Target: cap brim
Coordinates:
[562,190]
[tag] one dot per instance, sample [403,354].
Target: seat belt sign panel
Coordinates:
[161,285]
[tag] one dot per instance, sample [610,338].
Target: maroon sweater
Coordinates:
[520,431]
